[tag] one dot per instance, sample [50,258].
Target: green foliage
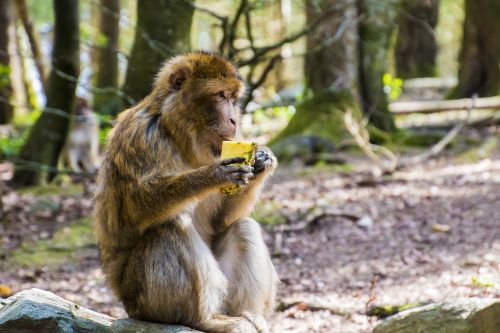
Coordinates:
[481,281]
[103,135]
[10,145]
[4,75]
[261,116]
[393,86]
[41,11]
[101,40]
[26,119]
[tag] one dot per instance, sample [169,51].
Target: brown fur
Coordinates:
[168,238]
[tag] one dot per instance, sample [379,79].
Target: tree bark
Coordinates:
[6,109]
[375,29]
[39,155]
[22,11]
[416,46]
[331,74]
[480,55]
[331,60]
[163,30]
[107,62]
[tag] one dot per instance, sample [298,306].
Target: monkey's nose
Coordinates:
[232,121]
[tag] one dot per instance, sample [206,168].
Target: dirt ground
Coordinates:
[428,233]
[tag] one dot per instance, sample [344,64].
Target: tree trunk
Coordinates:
[163,30]
[416,46]
[39,155]
[6,109]
[375,29]
[332,51]
[331,74]
[22,11]
[106,76]
[480,55]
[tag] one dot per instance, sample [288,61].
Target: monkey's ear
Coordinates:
[177,78]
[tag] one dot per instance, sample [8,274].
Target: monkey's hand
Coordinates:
[265,161]
[225,173]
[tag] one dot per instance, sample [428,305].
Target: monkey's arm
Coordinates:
[160,198]
[242,203]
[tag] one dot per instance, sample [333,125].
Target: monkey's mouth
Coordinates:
[226,138]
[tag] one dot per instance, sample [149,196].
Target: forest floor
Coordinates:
[346,242]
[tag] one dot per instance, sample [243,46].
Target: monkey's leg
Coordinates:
[87,160]
[245,260]
[74,154]
[179,281]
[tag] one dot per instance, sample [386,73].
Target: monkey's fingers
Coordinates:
[232,160]
[261,164]
[242,178]
[239,169]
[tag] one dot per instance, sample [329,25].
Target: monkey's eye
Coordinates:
[221,95]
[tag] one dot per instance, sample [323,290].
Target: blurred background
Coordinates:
[384,116]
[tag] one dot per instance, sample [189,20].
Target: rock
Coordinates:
[41,311]
[472,315]
[307,148]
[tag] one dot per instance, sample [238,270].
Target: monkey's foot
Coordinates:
[258,322]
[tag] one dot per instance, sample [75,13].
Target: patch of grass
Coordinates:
[59,249]
[478,153]
[322,166]
[53,189]
[269,212]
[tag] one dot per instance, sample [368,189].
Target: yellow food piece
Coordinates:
[232,149]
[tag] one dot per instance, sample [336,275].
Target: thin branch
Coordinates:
[208,11]
[254,85]
[242,7]
[362,138]
[248,26]
[427,27]
[442,144]
[261,51]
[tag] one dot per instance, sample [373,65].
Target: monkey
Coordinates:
[82,148]
[173,248]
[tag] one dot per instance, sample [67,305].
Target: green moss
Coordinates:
[61,248]
[322,115]
[401,139]
[386,310]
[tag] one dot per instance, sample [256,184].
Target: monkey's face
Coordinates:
[207,90]
[221,117]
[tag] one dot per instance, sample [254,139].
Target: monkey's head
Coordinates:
[200,94]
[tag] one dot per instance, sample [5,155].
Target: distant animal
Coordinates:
[82,147]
